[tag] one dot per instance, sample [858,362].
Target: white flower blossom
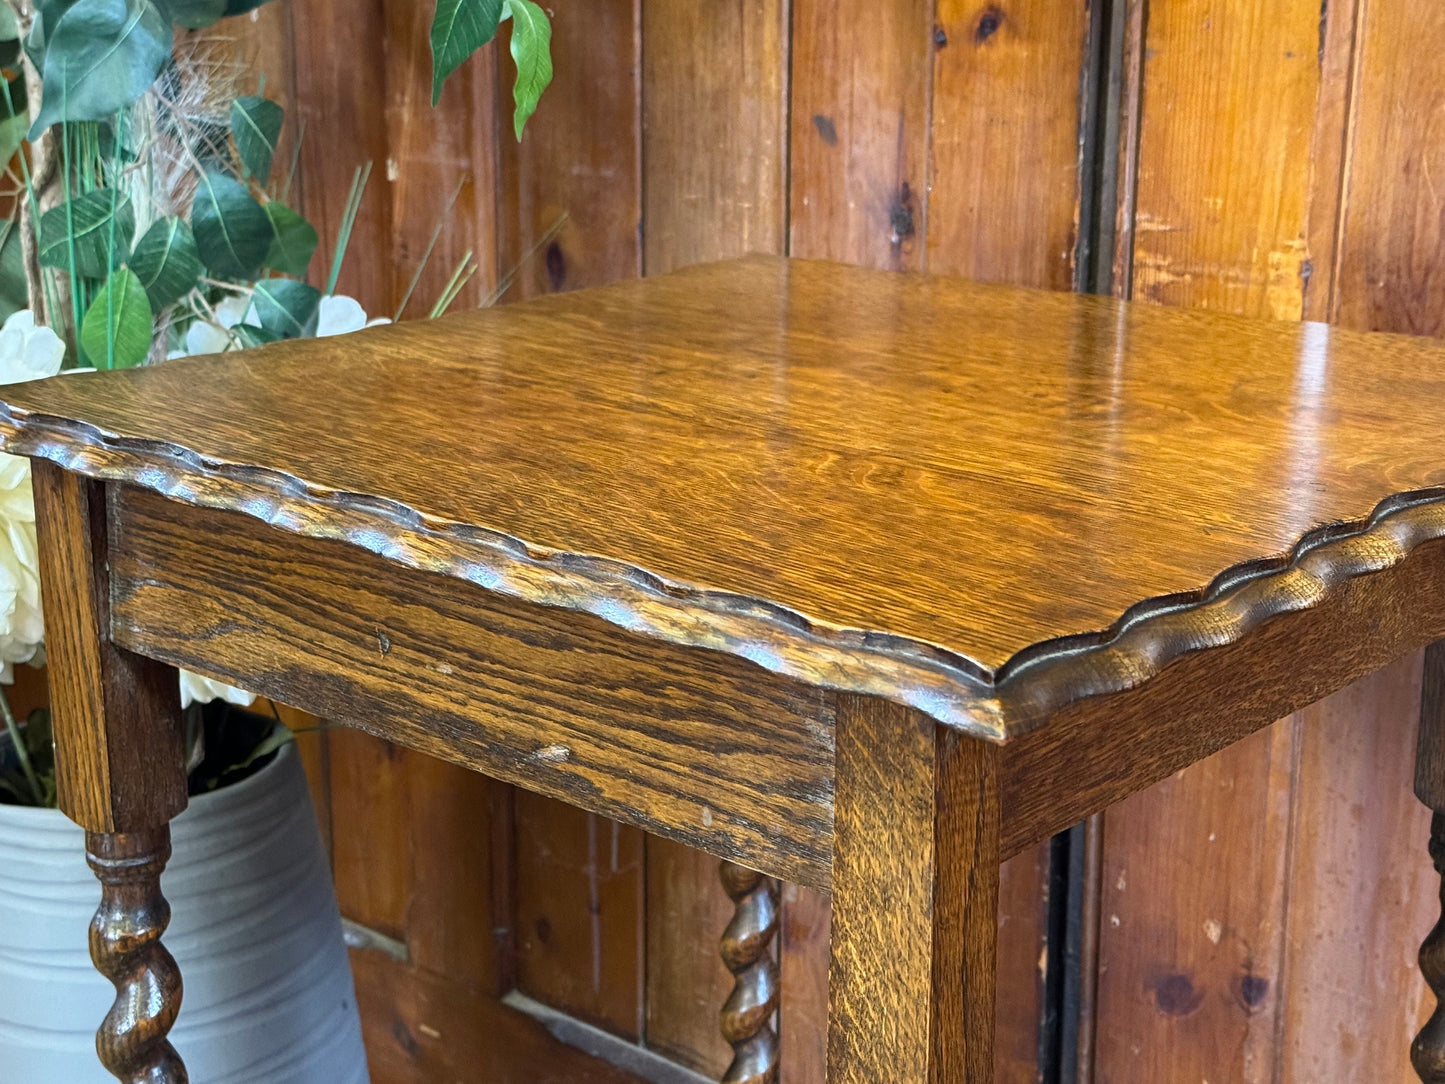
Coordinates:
[196,689]
[206,337]
[341,315]
[27,352]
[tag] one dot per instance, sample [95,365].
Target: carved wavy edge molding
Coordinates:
[951,687]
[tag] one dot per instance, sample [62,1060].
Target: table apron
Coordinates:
[697,746]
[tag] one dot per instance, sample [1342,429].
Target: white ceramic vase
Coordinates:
[254,926]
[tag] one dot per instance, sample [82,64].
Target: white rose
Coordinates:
[27,352]
[205,337]
[196,689]
[341,315]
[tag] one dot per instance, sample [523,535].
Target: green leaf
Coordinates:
[532,52]
[286,308]
[196,14]
[101,56]
[89,222]
[459,28]
[47,15]
[166,262]
[14,115]
[116,331]
[256,124]
[233,231]
[295,242]
[240,7]
[9,25]
[251,335]
[14,290]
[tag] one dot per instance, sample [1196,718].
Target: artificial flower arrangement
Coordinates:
[151,220]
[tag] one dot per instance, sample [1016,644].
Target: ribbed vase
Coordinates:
[255,928]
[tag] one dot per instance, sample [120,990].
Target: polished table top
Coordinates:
[979,500]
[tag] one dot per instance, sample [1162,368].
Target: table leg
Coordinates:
[1427,1053]
[911,980]
[747,949]
[120,768]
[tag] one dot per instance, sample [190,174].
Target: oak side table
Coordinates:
[862,580]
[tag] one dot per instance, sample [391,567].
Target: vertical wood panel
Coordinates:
[579,913]
[432,157]
[687,983]
[1223,174]
[714,136]
[581,156]
[1191,939]
[1392,255]
[340,61]
[860,88]
[1361,894]
[1004,197]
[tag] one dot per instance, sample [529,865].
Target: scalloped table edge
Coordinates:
[950,687]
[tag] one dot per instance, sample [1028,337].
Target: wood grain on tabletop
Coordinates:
[800,434]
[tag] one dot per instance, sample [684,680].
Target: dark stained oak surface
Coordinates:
[769,456]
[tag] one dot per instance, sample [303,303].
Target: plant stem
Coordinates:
[22,754]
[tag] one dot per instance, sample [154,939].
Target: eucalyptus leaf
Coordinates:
[251,335]
[14,290]
[47,15]
[459,28]
[166,262]
[532,53]
[14,99]
[196,14]
[256,124]
[295,243]
[116,331]
[233,231]
[12,135]
[99,247]
[286,307]
[101,56]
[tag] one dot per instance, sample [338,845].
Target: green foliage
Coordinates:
[286,308]
[166,262]
[461,27]
[532,52]
[101,56]
[251,335]
[13,286]
[27,761]
[86,221]
[295,243]
[233,231]
[116,332]
[256,125]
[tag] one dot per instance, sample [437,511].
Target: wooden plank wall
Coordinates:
[1257,916]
